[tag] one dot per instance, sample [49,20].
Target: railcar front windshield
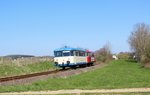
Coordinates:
[58,53]
[66,53]
[63,53]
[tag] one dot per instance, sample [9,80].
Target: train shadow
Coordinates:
[75,67]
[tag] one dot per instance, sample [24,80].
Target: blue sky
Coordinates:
[37,27]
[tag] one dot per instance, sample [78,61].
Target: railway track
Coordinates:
[29,78]
[29,75]
[11,78]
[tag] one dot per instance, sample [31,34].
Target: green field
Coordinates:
[15,69]
[146,93]
[117,74]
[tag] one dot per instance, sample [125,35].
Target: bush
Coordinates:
[104,54]
[124,55]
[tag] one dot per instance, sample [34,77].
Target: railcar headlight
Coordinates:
[68,62]
[56,63]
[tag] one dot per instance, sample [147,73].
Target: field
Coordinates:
[15,69]
[111,94]
[117,74]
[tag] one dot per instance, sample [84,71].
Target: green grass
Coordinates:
[117,74]
[142,93]
[146,93]
[15,69]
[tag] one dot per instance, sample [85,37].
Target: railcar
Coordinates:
[73,57]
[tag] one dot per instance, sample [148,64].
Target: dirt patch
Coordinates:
[147,65]
[76,91]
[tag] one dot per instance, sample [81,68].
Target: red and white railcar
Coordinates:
[72,57]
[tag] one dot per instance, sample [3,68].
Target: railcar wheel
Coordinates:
[63,68]
[89,64]
[74,67]
[82,66]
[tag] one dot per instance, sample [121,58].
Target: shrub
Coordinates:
[104,54]
[124,55]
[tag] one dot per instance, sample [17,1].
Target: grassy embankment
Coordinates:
[144,93]
[118,74]
[18,69]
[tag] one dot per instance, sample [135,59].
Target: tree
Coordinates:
[104,53]
[139,41]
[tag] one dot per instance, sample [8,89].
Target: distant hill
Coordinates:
[48,56]
[18,56]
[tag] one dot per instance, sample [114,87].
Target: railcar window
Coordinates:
[92,54]
[58,54]
[77,53]
[81,53]
[71,53]
[74,53]
[87,54]
[66,53]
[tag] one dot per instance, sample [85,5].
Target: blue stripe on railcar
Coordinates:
[69,49]
[71,64]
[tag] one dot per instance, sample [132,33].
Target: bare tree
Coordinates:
[139,41]
[104,53]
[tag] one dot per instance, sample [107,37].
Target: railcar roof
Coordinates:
[69,49]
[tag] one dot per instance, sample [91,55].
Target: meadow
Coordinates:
[18,69]
[116,74]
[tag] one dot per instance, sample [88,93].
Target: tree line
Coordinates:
[139,41]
